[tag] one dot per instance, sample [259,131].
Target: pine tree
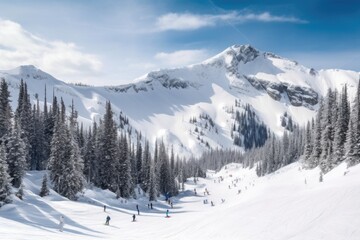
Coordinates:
[315,157]
[124,169]
[342,125]
[44,191]
[23,114]
[5,110]
[108,152]
[16,157]
[5,186]
[327,133]
[139,161]
[353,145]
[65,162]
[90,159]
[309,144]
[152,184]
[164,176]
[146,165]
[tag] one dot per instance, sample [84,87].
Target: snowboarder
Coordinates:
[107,220]
[61,223]
[104,208]
[167,213]
[137,208]
[134,217]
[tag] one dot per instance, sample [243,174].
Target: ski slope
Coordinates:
[288,204]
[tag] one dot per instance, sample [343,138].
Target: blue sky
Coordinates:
[113,42]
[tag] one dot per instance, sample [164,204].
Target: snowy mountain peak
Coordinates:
[244,53]
[29,72]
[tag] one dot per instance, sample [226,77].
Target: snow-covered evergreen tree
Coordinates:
[44,191]
[353,139]
[5,110]
[165,175]
[5,186]
[152,184]
[108,152]
[146,165]
[16,156]
[124,169]
[65,162]
[309,143]
[139,159]
[342,125]
[23,115]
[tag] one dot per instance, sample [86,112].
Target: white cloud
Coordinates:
[181,58]
[64,60]
[189,21]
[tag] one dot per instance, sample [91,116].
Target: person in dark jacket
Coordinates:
[107,220]
[137,208]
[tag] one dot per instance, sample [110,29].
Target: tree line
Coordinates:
[50,138]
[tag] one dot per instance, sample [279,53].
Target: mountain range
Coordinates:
[197,107]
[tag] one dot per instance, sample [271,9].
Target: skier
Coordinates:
[148,205]
[137,208]
[167,213]
[107,220]
[212,204]
[104,208]
[61,223]
[171,205]
[134,216]
[151,206]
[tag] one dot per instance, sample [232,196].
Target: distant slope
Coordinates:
[162,103]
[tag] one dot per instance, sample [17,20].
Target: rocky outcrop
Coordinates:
[153,79]
[298,96]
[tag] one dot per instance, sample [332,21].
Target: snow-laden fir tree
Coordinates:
[353,139]
[327,135]
[152,184]
[5,110]
[5,186]
[16,156]
[124,169]
[165,175]
[309,143]
[44,191]
[315,156]
[65,161]
[341,128]
[90,159]
[108,151]
[37,139]
[139,159]
[146,165]
[23,115]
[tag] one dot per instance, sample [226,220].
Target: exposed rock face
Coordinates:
[298,96]
[155,78]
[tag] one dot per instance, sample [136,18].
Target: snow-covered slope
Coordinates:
[288,204]
[162,103]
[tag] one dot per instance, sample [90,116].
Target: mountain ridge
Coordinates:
[163,103]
